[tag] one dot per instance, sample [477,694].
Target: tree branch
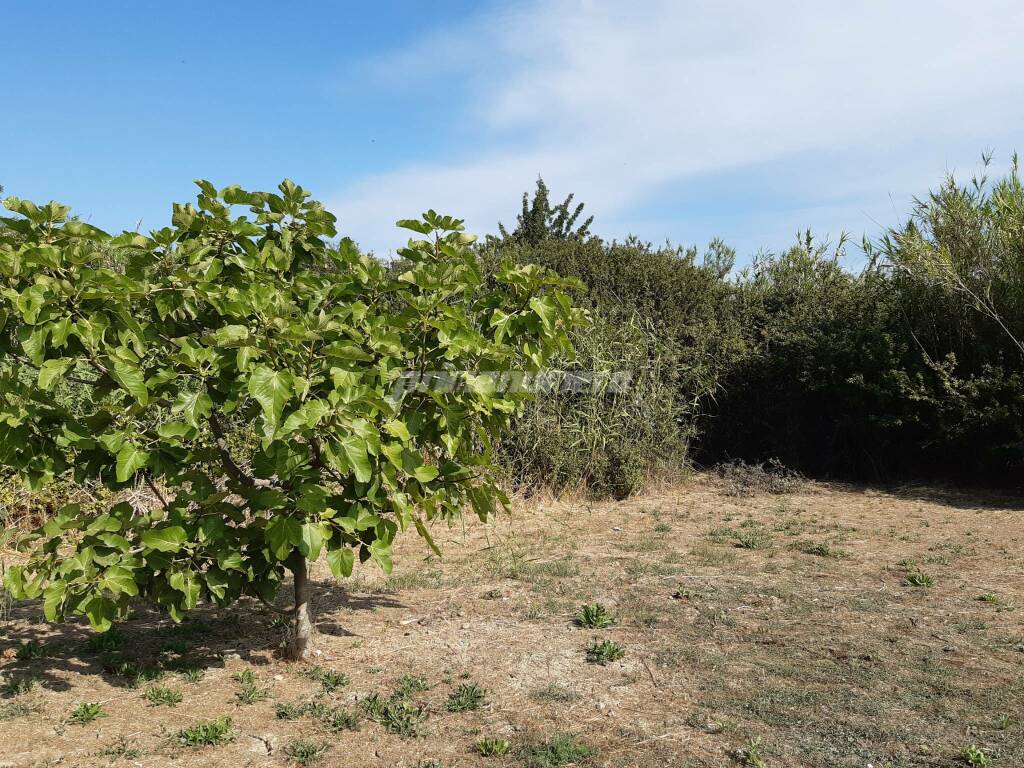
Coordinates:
[235,471]
[154,489]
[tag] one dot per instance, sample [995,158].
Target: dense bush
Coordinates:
[908,368]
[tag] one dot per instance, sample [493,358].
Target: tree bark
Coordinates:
[300,640]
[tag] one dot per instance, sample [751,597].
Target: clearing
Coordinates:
[829,626]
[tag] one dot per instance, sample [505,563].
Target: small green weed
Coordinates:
[918,579]
[335,719]
[821,549]
[409,684]
[750,754]
[604,651]
[86,713]
[191,674]
[555,752]
[465,697]
[20,686]
[29,651]
[121,749]
[251,692]
[594,616]
[162,696]
[304,751]
[207,734]
[975,757]
[396,716]
[492,747]
[329,679]
[287,711]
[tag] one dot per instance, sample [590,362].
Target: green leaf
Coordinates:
[425,473]
[415,225]
[172,429]
[120,580]
[100,611]
[341,561]
[194,406]
[53,599]
[185,581]
[271,389]
[355,451]
[398,429]
[51,371]
[312,540]
[130,459]
[168,538]
[130,377]
[283,533]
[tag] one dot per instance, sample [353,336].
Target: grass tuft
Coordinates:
[490,747]
[211,733]
[86,713]
[555,752]
[604,651]
[304,751]
[466,697]
[162,696]
[594,616]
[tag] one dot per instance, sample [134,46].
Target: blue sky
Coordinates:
[672,119]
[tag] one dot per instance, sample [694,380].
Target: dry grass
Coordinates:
[772,628]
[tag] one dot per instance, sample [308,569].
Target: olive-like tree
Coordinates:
[285,398]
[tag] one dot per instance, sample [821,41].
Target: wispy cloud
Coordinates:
[619,101]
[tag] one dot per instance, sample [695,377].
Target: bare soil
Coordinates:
[830,626]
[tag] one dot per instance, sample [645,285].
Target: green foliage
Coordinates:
[604,651]
[304,751]
[975,757]
[20,686]
[491,747]
[465,697]
[594,616]
[288,711]
[395,715]
[410,684]
[750,754]
[172,341]
[329,679]
[29,650]
[540,221]
[555,752]
[917,578]
[86,712]
[335,719]
[210,733]
[251,691]
[161,695]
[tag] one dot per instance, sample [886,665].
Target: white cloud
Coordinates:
[616,101]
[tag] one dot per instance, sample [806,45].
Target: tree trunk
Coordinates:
[300,640]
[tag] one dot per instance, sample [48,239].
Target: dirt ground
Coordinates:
[830,626]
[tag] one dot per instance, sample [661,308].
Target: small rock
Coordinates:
[279,677]
[465,626]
